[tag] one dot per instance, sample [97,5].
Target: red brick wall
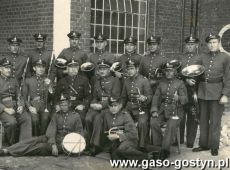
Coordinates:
[213,16]
[169,23]
[80,20]
[24,18]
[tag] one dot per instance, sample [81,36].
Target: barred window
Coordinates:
[118,19]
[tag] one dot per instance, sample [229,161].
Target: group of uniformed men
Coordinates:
[41,102]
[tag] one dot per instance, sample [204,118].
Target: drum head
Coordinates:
[73,143]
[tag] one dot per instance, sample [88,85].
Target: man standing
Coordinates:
[77,87]
[11,106]
[150,65]
[213,93]
[19,60]
[63,122]
[191,110]
[136,96]
[73,52]
[41,52]
[35,93]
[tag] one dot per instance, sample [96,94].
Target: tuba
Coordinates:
[194,72]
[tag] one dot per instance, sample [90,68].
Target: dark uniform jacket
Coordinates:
[163,101]
[10,96]
[134,86]
[18,62]
[104,88]
[150,63]
[77,88]
[73,53]
[45,55]
[122,59]
[122,119]
[34,90]
[61,124]
[101,55]
[216,79]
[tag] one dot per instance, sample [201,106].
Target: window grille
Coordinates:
[118,19]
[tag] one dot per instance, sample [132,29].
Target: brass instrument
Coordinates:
[115,130]
[87,66]
[194,72]
[60,63]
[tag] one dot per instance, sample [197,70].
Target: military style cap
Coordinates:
[191,39]
[14,40]
[212,36]
[100,38]
[73,63]
[39,62]
[153,40]
[63,97]
[173,64]
[5,63]
[130,39]
[131,63]
[103,64]
[40,37]
[74,34]
[113,100]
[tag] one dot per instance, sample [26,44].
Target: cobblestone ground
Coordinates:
[94,163]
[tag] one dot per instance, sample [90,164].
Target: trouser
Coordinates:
[126,150]
[16,124]
[191,126]
[40,121]
[35,146]
[210,123]
[93,125]
[170,132]
[98,135]
[142,126]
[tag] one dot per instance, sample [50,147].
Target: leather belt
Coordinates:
[212,80]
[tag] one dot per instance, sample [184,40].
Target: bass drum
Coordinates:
[73,143]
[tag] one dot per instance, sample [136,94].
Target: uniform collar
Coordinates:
[214,53]
[132,53]
[155,53]
[40,50]
[74,48]
[100,51]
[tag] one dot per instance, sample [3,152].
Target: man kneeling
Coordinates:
[63,122]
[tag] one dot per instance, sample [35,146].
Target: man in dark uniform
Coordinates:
[41,52]
[101,53]
[167,106]
[77,87]
[136,96]
[151,63]
[105,86]
[123,144]
[191,110]
[63,122]
[11,106]
[213,93]
[130,53]
[18,59]
[35,93]
[73,52]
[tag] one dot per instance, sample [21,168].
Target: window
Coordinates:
[118,19]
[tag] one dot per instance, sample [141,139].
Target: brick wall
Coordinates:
[24,18]
[80,20]
[213,16]
[169,23]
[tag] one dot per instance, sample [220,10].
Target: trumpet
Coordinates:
[116,130]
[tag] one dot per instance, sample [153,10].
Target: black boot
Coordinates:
[164,154]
